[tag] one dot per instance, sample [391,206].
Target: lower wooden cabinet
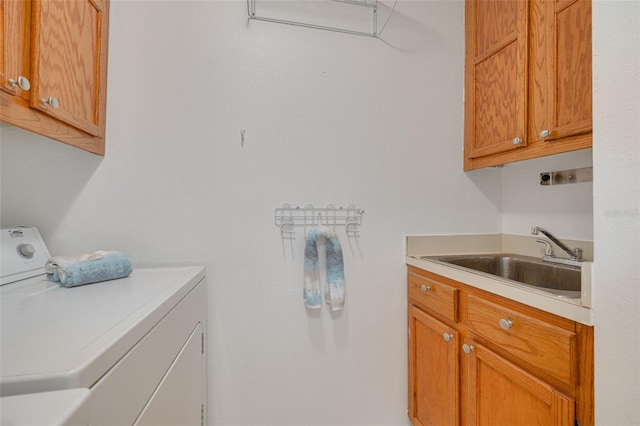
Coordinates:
[434,371]
[494,361]
[500,393]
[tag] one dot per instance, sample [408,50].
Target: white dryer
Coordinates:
[121,352]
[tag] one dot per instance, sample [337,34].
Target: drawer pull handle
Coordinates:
[517,141]
[505,324]
[468,348]
[425,288]
[447,337]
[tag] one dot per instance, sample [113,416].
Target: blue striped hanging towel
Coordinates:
[334,290]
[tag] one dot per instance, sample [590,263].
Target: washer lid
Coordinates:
[64,407]
[61,338]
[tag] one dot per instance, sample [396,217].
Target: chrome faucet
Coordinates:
[575,253]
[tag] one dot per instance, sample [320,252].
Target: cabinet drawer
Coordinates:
[434,295]
[548,348]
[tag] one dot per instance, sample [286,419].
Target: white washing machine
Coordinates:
[121,352]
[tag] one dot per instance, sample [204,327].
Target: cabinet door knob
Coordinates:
[425,288]
[545,134]
[468,348]
[447,337]
[505,323]
[51,101]
[22,82]
[517,141]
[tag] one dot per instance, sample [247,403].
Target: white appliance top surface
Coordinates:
[62,338]
[62,407]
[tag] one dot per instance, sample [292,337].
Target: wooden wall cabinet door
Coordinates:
[496,76]
[63,53]
[561,89]
[67,62]
[14,59]
[433,371]
[500,393]
[528,90]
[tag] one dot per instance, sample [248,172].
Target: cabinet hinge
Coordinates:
[202,415]
[202,342]
[576,421]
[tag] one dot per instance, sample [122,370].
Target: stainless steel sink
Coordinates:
[558,280]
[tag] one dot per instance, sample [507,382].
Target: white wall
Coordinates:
[616,162]
[329,118]
[565,210]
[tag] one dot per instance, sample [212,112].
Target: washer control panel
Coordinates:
[23,254]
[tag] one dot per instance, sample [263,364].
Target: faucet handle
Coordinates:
[548,250]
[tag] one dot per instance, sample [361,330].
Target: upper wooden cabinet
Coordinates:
[60,48]
[528,79]
[14,61]
[496,90]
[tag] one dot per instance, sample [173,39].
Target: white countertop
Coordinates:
[425,245]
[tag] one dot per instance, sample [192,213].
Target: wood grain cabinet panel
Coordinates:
[500,393]
[434,295]
[549,349]
[496,362]
[434,371]
[14,60]
[68,62]
[561,98]
[496,76]
[63,53]
[528,90]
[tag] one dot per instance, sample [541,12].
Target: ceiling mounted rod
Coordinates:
[317,27]
[373,4]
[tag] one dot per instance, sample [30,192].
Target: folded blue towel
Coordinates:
[88,268]
[334,291]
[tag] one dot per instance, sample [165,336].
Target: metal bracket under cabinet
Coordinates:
[584,174]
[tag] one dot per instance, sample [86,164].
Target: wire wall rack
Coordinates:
[371,5]
[288,218]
